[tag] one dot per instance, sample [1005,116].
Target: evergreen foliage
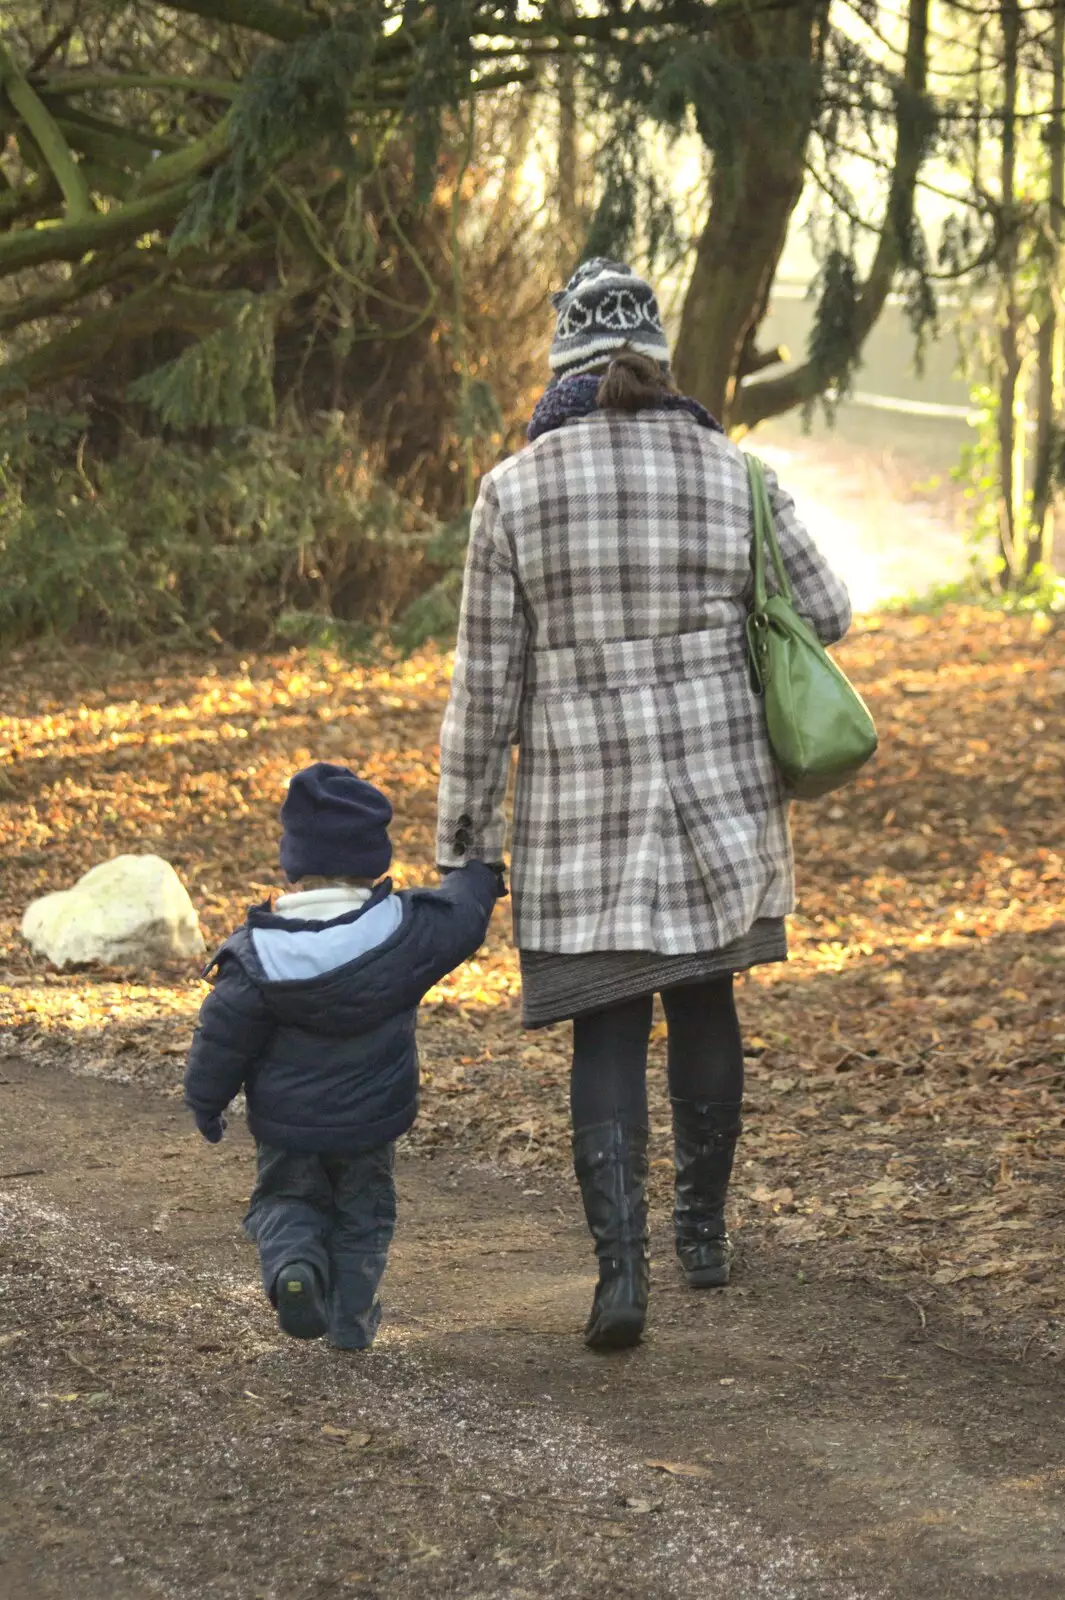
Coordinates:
[833,339]
[225,380]
[295,98]
[170,545]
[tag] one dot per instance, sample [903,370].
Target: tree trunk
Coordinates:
[1050,353]
[756,402]
[1011,492]
[519,142]
[569,220]
[754,190]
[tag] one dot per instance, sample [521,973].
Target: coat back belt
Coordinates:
[637,663]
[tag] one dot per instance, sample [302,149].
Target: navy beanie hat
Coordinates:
[336,826]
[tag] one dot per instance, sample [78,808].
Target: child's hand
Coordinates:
[212,1127]
[494,866]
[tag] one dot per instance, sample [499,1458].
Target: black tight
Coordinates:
[705,1060]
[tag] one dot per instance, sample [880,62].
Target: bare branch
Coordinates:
[277,21]
[70,241]
[48,136]
[72,83]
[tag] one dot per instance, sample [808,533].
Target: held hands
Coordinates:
[501,879]
[212,1127]
[496,866]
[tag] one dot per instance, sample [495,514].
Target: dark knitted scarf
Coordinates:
[575,397]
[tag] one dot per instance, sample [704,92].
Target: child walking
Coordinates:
[313,1014]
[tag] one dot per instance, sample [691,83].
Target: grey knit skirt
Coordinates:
[555,987]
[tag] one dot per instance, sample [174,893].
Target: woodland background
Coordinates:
[274,287]
[274,276]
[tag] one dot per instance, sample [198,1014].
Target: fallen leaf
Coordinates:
[345,1435]
[796,1230]
[680,1469]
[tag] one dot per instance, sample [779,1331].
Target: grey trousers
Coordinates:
[339,1214]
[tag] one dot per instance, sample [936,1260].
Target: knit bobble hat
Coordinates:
[604,307]
[336,826]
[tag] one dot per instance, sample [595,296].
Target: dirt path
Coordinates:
[157,1438]
[887,534]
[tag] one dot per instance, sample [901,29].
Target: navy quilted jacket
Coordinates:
[327,1058]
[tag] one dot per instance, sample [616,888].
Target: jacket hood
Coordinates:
[311,933]
[332,976]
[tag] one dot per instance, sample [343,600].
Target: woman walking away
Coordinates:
[603,630]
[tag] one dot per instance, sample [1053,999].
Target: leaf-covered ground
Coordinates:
[906,1111]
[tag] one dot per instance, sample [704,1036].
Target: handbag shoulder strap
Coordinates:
[764,536]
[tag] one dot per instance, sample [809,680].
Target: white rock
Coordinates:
[131,911]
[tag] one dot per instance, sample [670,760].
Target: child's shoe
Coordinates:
[300,1301]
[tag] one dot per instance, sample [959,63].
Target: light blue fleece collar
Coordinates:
[298,953]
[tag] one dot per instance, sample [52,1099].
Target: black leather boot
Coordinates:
[610,1160]
[705,1138]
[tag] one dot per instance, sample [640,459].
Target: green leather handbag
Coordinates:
[819,727]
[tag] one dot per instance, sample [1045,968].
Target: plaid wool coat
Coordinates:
[603,632]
